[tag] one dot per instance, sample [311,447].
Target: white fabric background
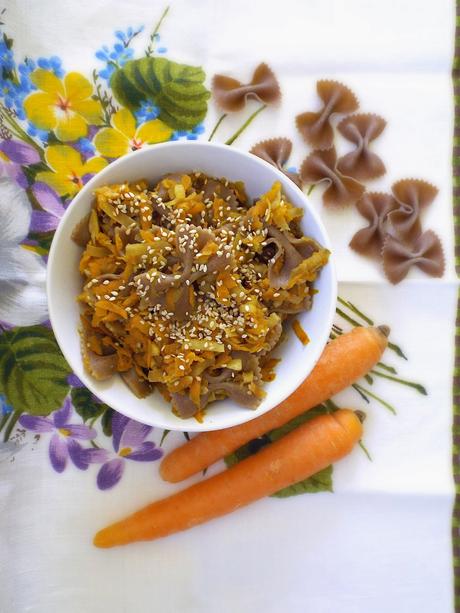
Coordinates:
[381,542]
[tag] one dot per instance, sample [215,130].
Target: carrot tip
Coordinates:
[102,540]
[385,330]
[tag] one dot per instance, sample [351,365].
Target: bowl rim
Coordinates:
[189,425]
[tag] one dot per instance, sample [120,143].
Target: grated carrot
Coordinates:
[176,285]
[300,332]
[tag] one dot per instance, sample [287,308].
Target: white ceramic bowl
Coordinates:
[64,282]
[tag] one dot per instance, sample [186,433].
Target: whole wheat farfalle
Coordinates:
[276,151]
[374,207]
[321,167]
[231,95]
[361,163]
[412,195]
[315,127]
[425,253]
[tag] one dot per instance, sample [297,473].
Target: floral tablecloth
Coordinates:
[375,533]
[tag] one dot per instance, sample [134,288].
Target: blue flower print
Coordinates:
[86,147]
[6,56]
[146,112]
[119,54]
[53,63]
[5,408]
[126,37]
[33,131]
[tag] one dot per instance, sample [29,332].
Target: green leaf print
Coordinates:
[86,405]
[320,482]
[44,240]
[33,372]
[106,421]
[176,89]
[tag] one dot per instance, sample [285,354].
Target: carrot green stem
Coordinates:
[364,448]
[387,368]
[330,406]
[355,310]
[363,396]
[369,379]
[310,189]
[417,386]
[346,317]
[95,445]
[163,436]
[11,424]
[249,120]
[335,333]
[355,323]
[216,127]
[360,388]
[397,350]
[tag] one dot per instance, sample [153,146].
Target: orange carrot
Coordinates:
[344,360]
[294,457]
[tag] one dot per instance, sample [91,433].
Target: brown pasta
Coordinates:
[426,253]
[374,207]
[192,305]
[320,166]
[290,253]
[412,196]
[231,95]
[315,127]
[361,129]
[276,151]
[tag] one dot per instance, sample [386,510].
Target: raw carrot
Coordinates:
[343,361]
[298,455]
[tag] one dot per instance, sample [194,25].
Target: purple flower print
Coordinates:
[129,443]
[74,381]
[64,441]
[82,457]
[53,210]
[13,155]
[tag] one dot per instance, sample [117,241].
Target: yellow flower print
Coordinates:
[67,169]
[63,106]
[123,137]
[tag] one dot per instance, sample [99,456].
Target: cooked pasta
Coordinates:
[187,285]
